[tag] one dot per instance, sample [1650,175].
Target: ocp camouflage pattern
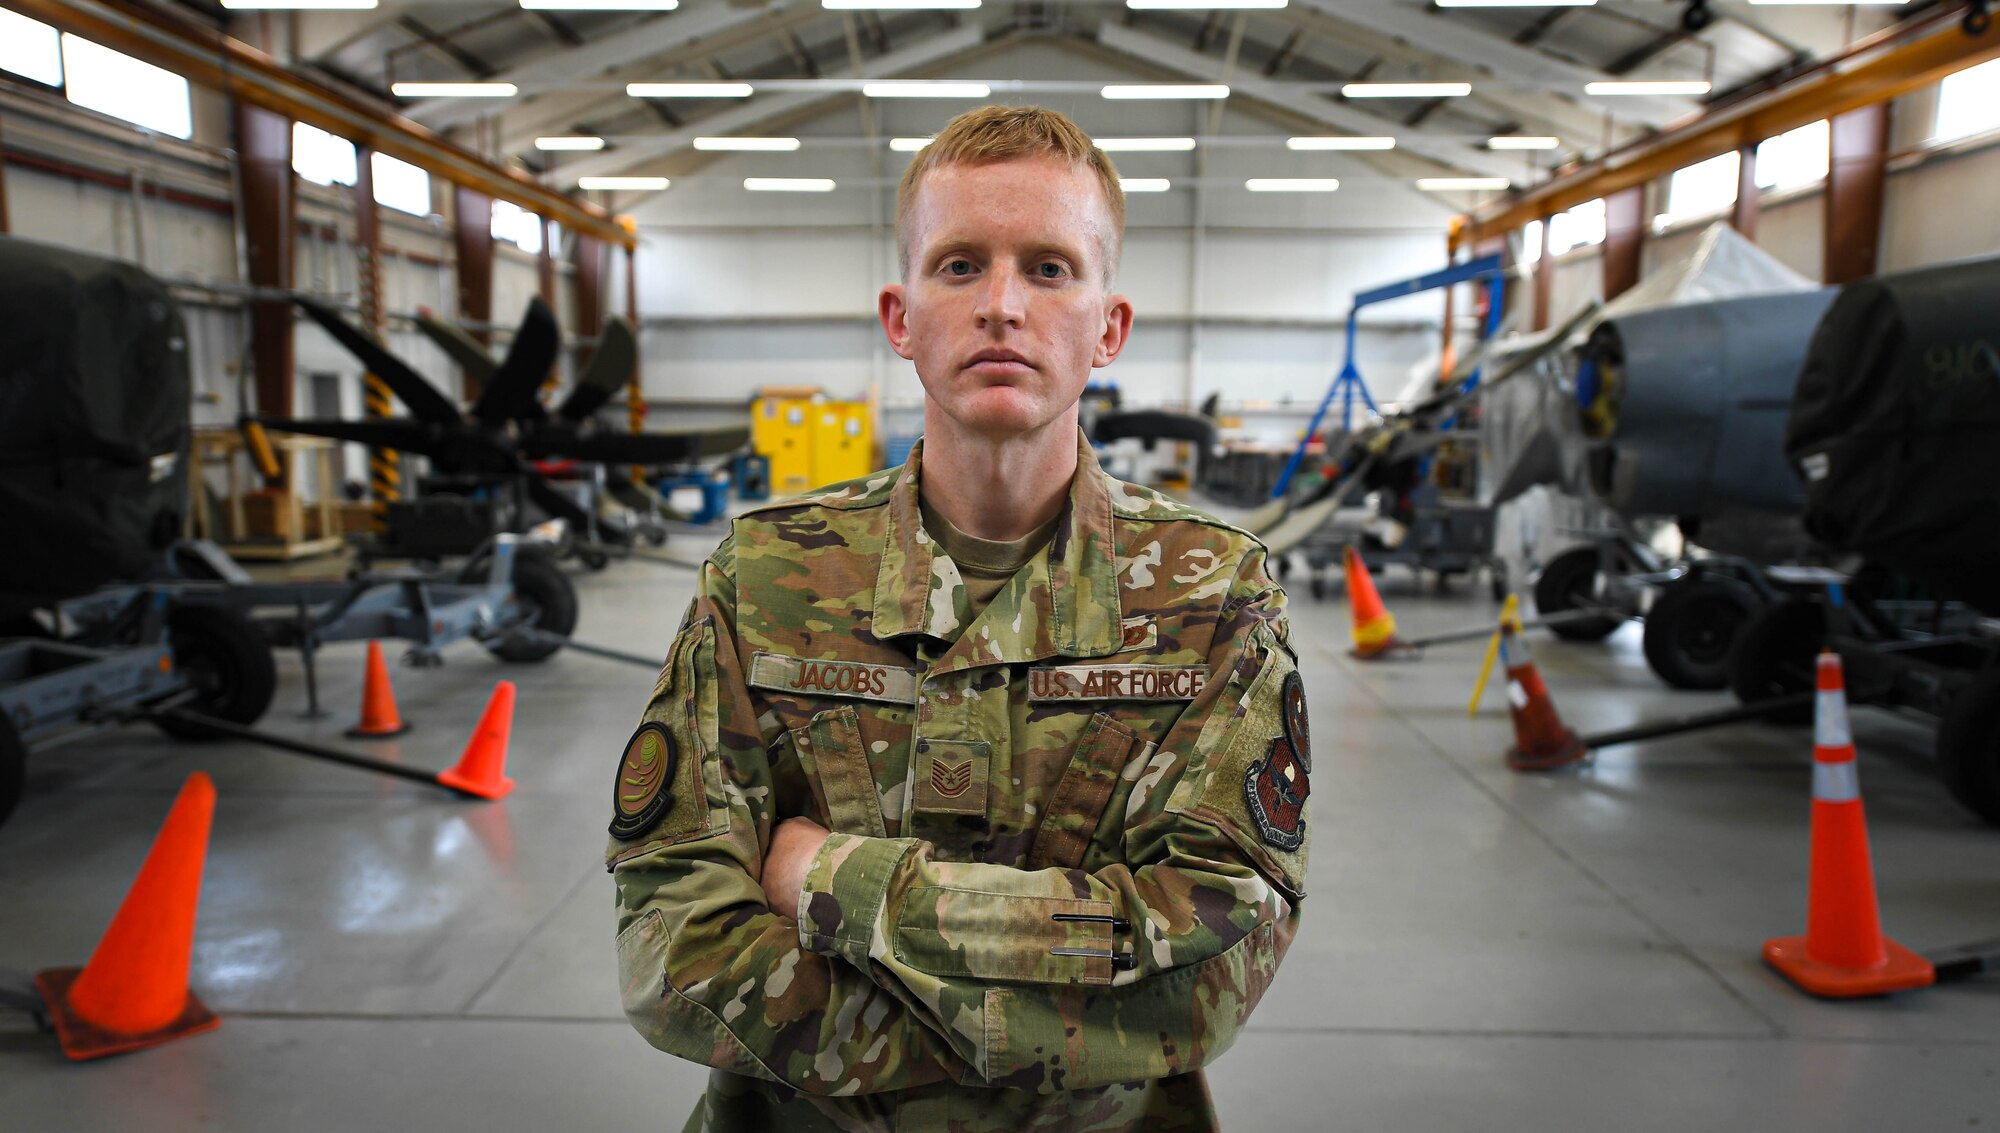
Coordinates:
[1033,913]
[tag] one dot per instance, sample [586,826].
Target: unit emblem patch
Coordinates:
[1276,786]
[640,795]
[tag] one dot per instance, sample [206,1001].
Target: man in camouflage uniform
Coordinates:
[972,794]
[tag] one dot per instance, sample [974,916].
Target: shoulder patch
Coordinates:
[645,772]
[1275,787]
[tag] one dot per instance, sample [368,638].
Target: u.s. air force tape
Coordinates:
[1117,682]
[858,680]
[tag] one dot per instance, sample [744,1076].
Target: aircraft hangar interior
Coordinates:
[818,565]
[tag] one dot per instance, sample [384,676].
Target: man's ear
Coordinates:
[1117,331]
[893,308]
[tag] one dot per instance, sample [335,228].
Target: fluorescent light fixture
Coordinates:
[748,145]
[1145,184]
[1848,3]
[688,90]
[1522,141]
[454,90]
[601,5]
[1461,184]
[569,143]
[918,88]
[1291,184]
[1406,90]
[1165,90]
[298,5]
[622,184]
[1690,86]
[1340,143]
[788,184]
[1144,145]
[908,145]
[892,5]
[1518,3]
[1144,5]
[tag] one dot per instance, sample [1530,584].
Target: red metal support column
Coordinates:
[1856,180]
[3,184]
[1545,274]
[1624,236]
[635,398]
[1743,218]
[588,260]
[472,227]
[264,163]
[385,465]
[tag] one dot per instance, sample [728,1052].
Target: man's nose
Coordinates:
[1004,299]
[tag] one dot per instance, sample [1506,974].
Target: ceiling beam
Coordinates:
[927,52]
[559,112]
[1450,151]
[555,68]
[1451,38]
[1579,127]
[1878,73]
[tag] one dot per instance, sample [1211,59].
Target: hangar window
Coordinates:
[113,83]
[30,48]
[1795,157]
[322,158]
[517,226]
[1969,102]
[1531,242]
[400,185]
[1580,227]
[1701,189]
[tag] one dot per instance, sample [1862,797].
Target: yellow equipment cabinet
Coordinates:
[843,446]
[781,430]
[811,441]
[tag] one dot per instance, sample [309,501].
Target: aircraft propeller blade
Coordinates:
[422,398]
[403,434]
[610,367]
[459,345]
[511,393]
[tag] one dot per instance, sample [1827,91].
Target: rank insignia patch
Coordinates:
[1276,786]
[640,795]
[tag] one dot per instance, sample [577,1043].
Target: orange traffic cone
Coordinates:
[1541,741]
[134,991]
[482,770]
[1843,953]
[379,719]
[1374,627]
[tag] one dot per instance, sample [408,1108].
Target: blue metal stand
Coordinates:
[1349,382]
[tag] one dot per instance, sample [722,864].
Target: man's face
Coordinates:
[1004,306]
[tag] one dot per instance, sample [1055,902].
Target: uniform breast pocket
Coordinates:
[835,761]
[1076,808]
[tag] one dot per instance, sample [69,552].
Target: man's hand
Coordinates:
[793,845]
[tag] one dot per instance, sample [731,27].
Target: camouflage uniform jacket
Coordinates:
[1069,837]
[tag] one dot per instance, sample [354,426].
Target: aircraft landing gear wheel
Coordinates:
[545,591]
[13,767]
[1968,748]
[1317,585]
[1690,631]
[1777,655]
[1566,584]
[228,663]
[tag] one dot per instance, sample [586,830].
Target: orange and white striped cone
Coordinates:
[1843,954]
[1374,626]
[1541,741]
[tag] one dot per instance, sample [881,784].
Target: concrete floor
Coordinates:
[1482,950]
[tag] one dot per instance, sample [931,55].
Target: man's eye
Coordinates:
[1051,270]
[959,267]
